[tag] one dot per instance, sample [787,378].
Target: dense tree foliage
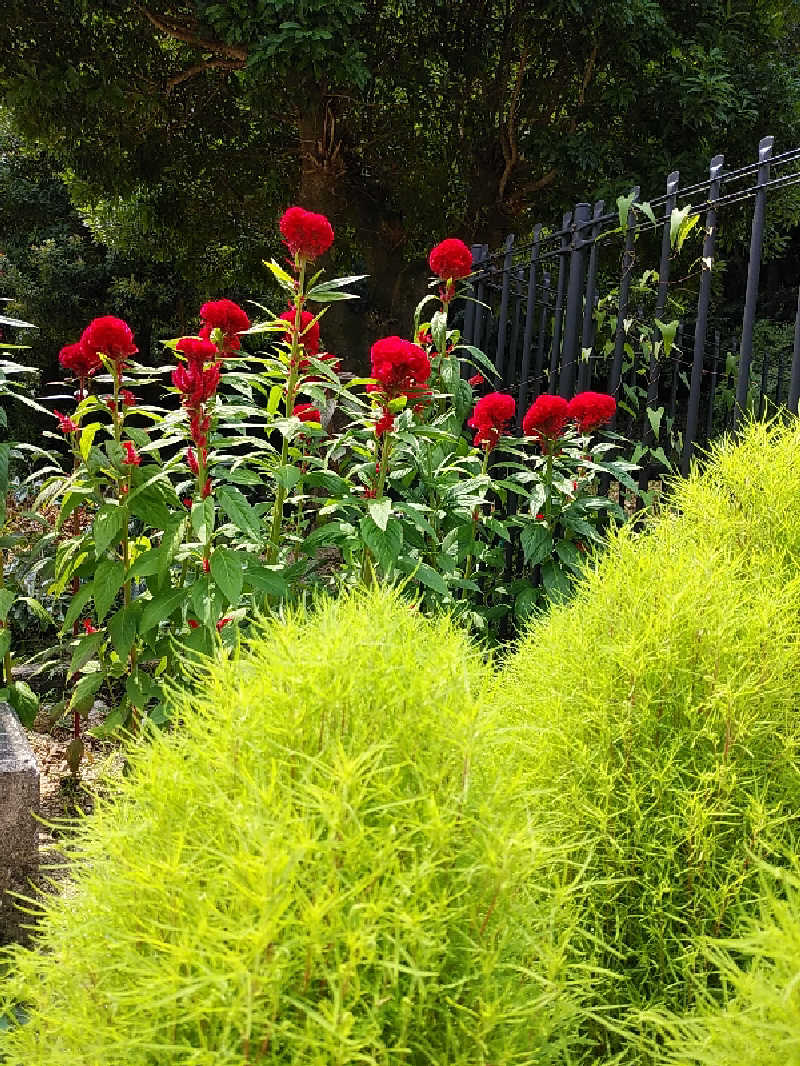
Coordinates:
[185,126]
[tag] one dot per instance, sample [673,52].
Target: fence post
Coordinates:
[555,349]
[480,294]
[714,368]
[499,359]
[530,319]
[538,372]
[588,331]
[518,277]
[794,381]
[469,311]
[566,383]
[703,301]
[615,374]
[753,270]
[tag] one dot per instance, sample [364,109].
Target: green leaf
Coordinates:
[77,604]
[86,439]
[5,450]
[174,533]
[556,581]
[5,641]
[568,553]
[681,225]
[426,575]
[149,502]
[667,331]
[288,476]
[7,597]
[86,650]
[654,418]
[83,694]
[439,331]
[275,397]
[267,581]
[145,565]
[381,511]
[24,701]
[228,573]
[107,582]
[160,608]
[525,601]
[284,279]
[647,210]
[537,543]
[236,507]
[203,519]
[385,545]
[624,204]
[122,629]
[108,526]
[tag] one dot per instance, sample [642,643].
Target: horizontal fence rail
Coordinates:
[627,301]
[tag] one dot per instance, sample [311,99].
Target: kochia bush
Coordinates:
[321,866]
[657,717]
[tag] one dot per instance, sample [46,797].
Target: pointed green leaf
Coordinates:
[107,582]
[380,511]
[537,543]
[108,526]
[228,573]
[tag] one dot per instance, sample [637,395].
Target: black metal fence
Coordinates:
[580,308]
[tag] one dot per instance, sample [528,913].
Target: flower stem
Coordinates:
[484,468]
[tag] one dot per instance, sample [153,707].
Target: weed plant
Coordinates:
[321,866]
[656,719]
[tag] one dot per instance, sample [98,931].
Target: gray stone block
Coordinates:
[19,833]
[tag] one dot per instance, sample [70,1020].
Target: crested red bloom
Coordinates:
[110,336]
[191,459]
[546,417]
[451,259]
[476,380]
[80,360]
[399,367]
[226,316]
[224,621]
[206,566]
[65,423]
[591,409]
[305,233]
[206,490]
[196,384]
[385,423]
[197,351]
[132,457]
[306,412]
[192,623]
[490,418]
[87,625]
[127,397]
[309,335]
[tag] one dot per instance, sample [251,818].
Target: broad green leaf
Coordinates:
[267,581]
[654,418]
[647,210]
[24,701]
[426,575]
[385,545]
[122,628]
[667,331]
[83,694]
[7,597]
[568,554]
[439,331]
[174,533]
[108,527]
[107,582]
[228,573]
[235,505]
[288,476]
[160,608]
[681,225]
[624,204]
[203,519]
[381,511]
[146,564]
[275,397]
[284,279]
[77,604]
[556,581]
[87,438]
[86,650]
[5,641]
[537,543]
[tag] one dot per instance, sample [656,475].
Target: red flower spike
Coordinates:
[591,409]
[490,418]
[65,423]
[370,494]
[477,380]
[206,566]
[451,259]
[385,424]
[81,361]
[127,397]
[192,624]
[87,625]
[187,502]
[191,460]
[196,384]
[226,316]
[546,418]
[197,352]
[132,457]
[305,233]
[306,412]
[223,622]
[110,336]
[309,339]
[206,490]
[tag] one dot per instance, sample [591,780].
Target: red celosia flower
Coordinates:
[306,412]
[206,490]
[199,425]
[226,316]
[385,423]
[187,501]
[132,457]
[476,380]
[196,384]
[80,360]
[546,417]
[197,351]
[224,621]
[309,337]
[451,259]
[87,625]
[65,423]
[305,233]
[399,367]
[112,337]
[191,459]
[591,409]
[206,566]
[192,624]
[490,418]
[370,494]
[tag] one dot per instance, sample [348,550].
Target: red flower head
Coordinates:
[191,459]
[127,397]
[227,316]
[400,368]
[546,418]
[196,384]
[65,423]
[451,260]
[385,423]
[490,418]
[306,234]
[192,623]
[87,625]
[206,490]
[223,622]
[306,412]
[110,336]
[591,409]
[80,360]
[477,380]
[132,457]
[309,339]
[197,351]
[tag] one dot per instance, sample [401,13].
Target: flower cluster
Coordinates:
[81,361]
[228,318]
[490,418]
[588,410]
[548,415]
[306,234]
[197,384]
[450,260]
[111,337]
[401,370]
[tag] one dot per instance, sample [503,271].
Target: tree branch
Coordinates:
[188,34]
[509,142]
[198,68]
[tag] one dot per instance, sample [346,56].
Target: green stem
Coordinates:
[484,468]
[548,485]
[384,465]
[7,656]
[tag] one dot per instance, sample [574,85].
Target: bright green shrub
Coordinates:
[761,1024]
[657,720]
[321,866]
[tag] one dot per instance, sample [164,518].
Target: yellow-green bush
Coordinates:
[320,867]
[656,717]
